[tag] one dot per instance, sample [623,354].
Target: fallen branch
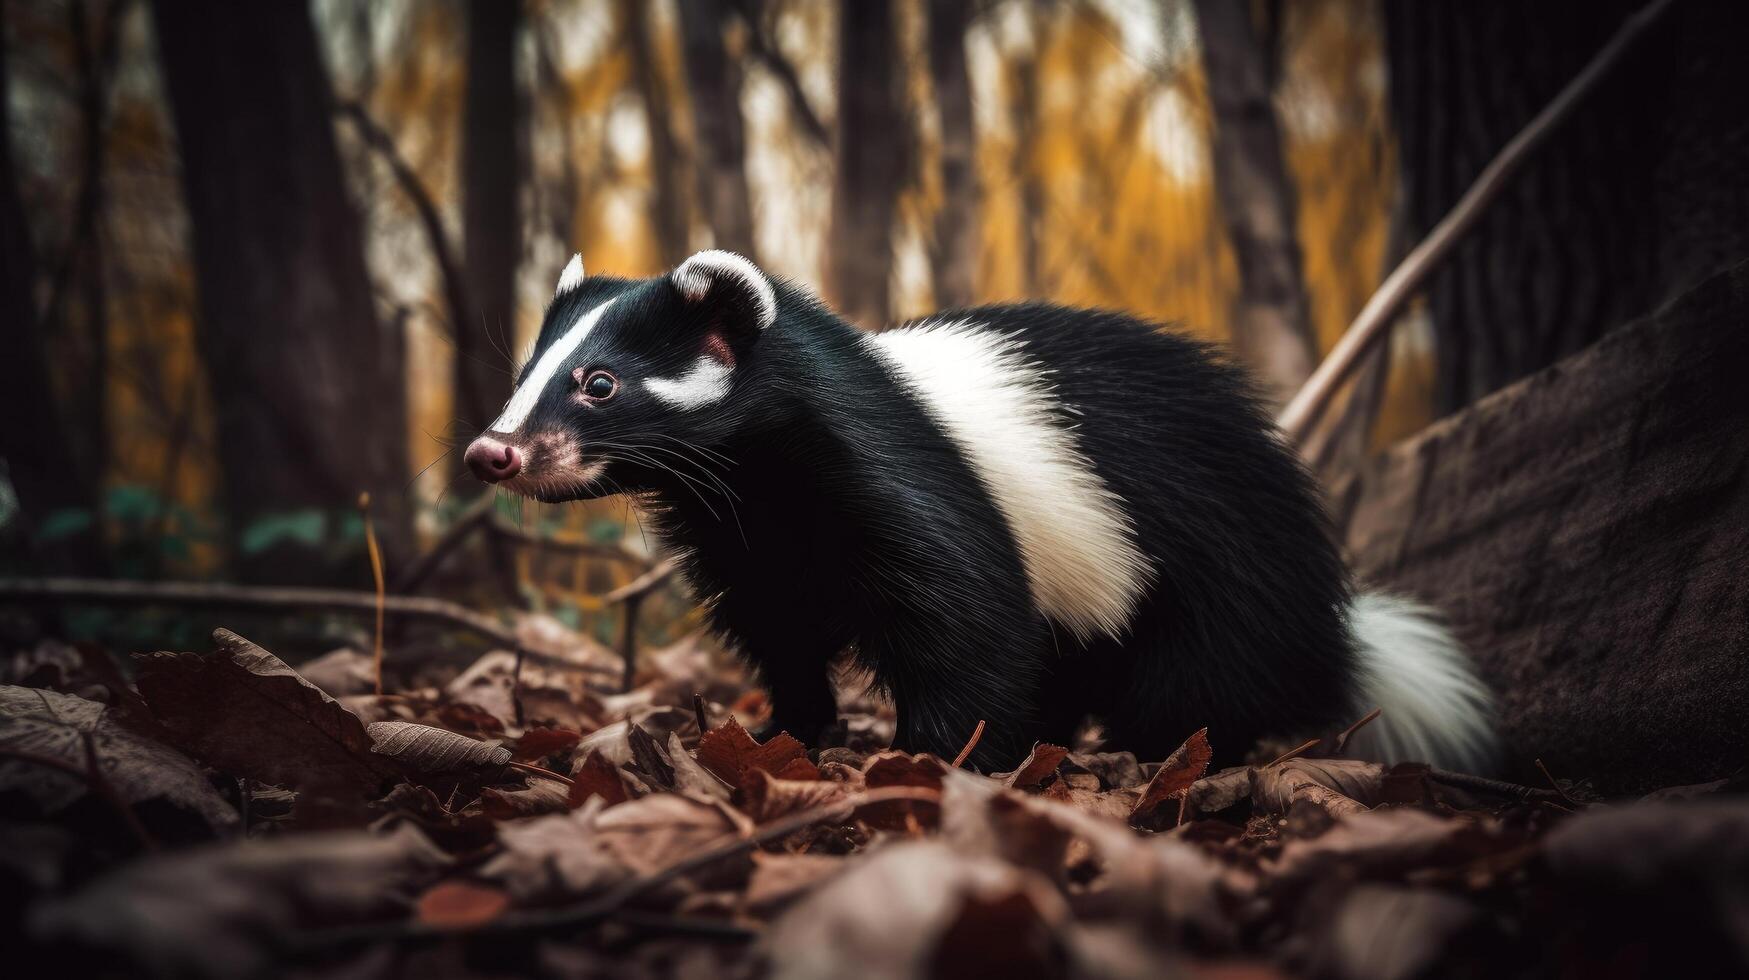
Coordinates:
[482,514]
[256,597]
[1464,780]
[632,595]
[1381,311]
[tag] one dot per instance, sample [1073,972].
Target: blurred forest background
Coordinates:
[262,257]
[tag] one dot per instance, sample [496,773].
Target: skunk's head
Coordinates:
[631,381]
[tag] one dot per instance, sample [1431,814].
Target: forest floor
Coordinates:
[221,814]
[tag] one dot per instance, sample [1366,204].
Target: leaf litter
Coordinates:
[224,816]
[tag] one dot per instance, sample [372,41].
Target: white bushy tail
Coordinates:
[1435,708]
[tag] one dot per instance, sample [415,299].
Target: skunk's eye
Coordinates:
[600,385]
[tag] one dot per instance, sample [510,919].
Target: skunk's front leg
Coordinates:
[800,692]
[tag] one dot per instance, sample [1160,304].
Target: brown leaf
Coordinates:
[1214,793]
[650,759]
[778,879]
[892,768]
[1373,843]
[57,726]
[424,749]
[1040,762]
[689,776]
[1340,786]
[765,797]
[730,753]
[226,910]
[596,776]
[1117,804]
[651,833]
[559,856]
[885,916]
[540,796]
[1182,768]
[461,905]
[540,742]
[242,710]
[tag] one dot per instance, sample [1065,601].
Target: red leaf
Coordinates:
[1183,767]
[538,743]
[595,776]
[461,905]
[730,754]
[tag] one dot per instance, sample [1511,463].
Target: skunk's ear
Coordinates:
[572,277]
[737,295]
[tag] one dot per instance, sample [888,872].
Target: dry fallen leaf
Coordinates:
[461,905]
[423,749]
[540,742]
[1339,786]
[730,753]
[1040,762]
[1183,767]
[595,776]
[56,727]
[243,711]
[765,797]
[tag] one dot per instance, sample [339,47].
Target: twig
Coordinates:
[971,744]
[698,712]
[257,597]
[478,512]
[644,584]
[538,771]
[1295,752]
[1340,743]
[1551,778]
[376,571]
[1464,780]
[1381,310]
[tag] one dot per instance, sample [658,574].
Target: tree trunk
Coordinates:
[1638,195]
[1584,529]
[669,208]
[307,386]
[719,145]
[490,223]
[35,441]
[872,143]
[955,255]
[1272,327]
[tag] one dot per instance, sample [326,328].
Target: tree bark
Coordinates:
[1272,327]
[308,386]
[35,441]
[491,228]
[955,253]
[720,147]
[1637,196]
[872,144]
[669,208]
[1584,529]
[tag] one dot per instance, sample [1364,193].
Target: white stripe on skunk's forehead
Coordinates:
[523,399]
[1075,538]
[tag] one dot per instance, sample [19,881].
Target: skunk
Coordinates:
[1024,515]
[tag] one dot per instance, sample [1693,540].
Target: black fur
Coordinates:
[819,510]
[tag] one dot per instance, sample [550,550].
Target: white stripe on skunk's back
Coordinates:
[1075,538]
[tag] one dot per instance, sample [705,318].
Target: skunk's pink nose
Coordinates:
[493,461]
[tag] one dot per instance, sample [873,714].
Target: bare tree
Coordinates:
[714,83]
[491,228]
[34,443]
[955,254]
[1271,323]
[307,385]
[669,207]
[872,148]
